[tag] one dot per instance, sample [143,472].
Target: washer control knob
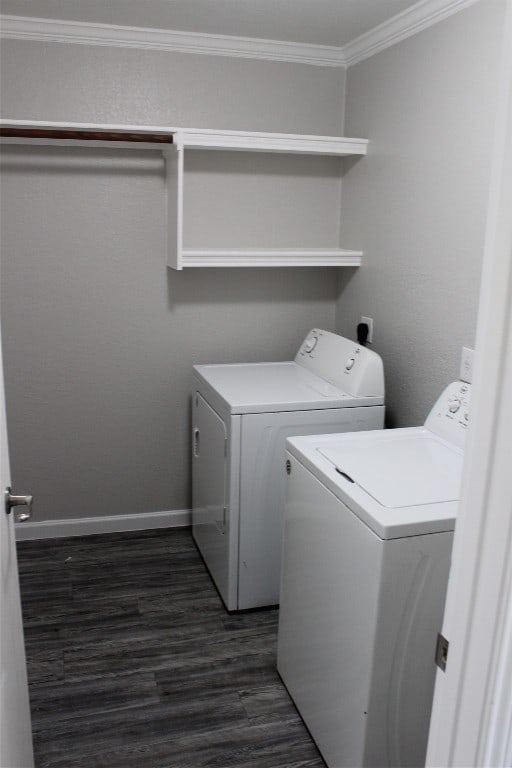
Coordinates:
[310,343]
[350,363]
[454,406]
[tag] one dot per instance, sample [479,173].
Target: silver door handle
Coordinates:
[18,501]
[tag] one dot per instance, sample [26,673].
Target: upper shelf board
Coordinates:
[203,138]
[251,141]
[270,257]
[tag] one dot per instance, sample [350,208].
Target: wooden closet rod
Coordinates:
[58,133]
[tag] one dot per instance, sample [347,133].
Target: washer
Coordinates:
[242,415]
[368,534]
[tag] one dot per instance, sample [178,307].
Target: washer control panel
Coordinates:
[354,369]
[449,418]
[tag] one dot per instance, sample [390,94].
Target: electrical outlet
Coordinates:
[466,364]
[369,323]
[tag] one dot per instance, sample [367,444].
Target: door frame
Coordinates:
[472,711]
[16,749]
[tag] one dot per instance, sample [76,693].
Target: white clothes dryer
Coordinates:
[242,415]
[368,533]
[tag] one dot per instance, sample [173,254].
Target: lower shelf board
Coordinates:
[270,257]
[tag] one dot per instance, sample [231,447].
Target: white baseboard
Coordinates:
[84,526]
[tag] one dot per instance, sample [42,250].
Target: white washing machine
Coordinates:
[242,415]
[368,533]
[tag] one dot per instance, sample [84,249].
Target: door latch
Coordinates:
[442,651]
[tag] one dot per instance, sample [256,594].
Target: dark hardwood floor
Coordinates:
[133,661]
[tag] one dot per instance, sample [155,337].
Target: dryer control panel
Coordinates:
[449,418]
[354,369]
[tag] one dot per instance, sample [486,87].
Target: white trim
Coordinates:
[415,19]
[57,31]
[471,722]
[497,747]
[85,526]
[411,21]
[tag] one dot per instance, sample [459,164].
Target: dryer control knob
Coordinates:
[350,363]
[454,406]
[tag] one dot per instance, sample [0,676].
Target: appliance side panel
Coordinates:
[328,614]
[209,476]
[233,508]
[412,596]
[260,526]
[262,489]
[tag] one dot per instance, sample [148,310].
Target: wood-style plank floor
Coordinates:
[133,661]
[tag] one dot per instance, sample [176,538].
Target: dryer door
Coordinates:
[209,471]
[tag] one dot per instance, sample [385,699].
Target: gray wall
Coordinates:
[417,203]
[99,337]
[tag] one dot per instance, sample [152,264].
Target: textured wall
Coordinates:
[55,81]
[417,203]
[99,337]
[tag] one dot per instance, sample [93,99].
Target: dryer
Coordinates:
[242,415]
[368,533]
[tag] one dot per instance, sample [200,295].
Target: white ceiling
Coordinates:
[318,22]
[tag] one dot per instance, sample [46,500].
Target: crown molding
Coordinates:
[57,31]
[418,17]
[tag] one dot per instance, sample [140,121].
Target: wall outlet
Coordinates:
[466,364]
[369,323]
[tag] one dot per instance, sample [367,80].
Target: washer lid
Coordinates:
[387,489]
[401,471]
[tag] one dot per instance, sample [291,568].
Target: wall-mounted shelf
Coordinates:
[181,255]
[246,141]
[271,257]
[174,142]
